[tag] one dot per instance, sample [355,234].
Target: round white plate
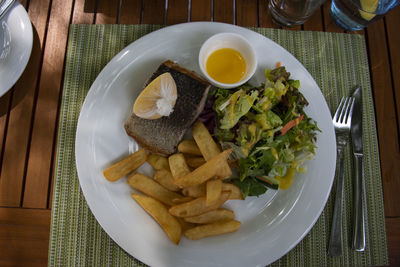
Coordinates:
[15,45]
[271,225]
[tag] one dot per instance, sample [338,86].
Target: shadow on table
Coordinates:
[27,83]
[101,6]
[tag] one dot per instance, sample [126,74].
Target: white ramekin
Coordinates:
[233,41]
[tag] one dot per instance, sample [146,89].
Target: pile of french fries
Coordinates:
[187,189]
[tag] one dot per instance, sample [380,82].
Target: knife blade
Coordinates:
[359,187]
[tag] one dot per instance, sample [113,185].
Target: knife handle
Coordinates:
[358,201]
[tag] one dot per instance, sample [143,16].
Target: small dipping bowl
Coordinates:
[233,41]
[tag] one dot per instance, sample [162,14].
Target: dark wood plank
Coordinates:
[39,169]
[315,22]
[293,28]
[393,240]
[329,24]
[246,13]
[264,16]
[131,12]
[200,10]
[385,115]
[107,11]
[19,125]
[84,11]
[223,11]
[5,102]
[177,11]
[24,237]
[154,12]
[392,26]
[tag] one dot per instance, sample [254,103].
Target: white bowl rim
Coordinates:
[251,51]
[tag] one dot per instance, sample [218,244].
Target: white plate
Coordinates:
[271,225]
[15,45]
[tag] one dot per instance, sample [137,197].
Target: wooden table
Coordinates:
[29,112]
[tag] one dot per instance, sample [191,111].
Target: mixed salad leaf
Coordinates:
[267,128]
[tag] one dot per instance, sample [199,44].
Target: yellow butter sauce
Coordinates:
[226,65]
[287,180]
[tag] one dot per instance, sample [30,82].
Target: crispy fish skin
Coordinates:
[163,135]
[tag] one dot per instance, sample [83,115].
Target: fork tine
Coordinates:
[352,100]
[338,110]
[343,110]
[347,110]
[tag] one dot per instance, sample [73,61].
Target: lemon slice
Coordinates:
[368,8]
[157,99]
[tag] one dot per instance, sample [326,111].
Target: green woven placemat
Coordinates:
[336,61]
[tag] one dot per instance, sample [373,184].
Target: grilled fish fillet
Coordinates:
[163,135]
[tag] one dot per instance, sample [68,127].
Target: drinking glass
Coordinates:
[293,12]
[355,15]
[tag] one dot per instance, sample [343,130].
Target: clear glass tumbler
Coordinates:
[355,15]
[293,12]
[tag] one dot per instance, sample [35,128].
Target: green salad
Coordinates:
[267,128]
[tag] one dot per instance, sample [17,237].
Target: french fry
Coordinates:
[205,172]
[204,141]
[213,189]
[195,191]
[151,188]
[184,224]
[195,162]
[212,229]
[209,148]
[189,147]
[197,206]
[182,200]
[212,216]
[159,212]
[178,166]
[125,166]
[158,162]
[164,178]
[236,193]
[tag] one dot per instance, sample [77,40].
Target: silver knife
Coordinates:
[359,185]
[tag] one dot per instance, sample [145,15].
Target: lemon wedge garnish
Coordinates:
[368,8]
[157,99]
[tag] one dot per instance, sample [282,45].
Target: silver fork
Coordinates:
[4,6]
[342,122]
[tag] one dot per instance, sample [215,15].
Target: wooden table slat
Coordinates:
[107,11]
[200,10]
[245,11]
[392,25]
[392,232]
[329,24]
[83,12]
[24,237]
[20,117]
[385,115]
[154,12]
[39,169]
[224,11]
[264,16]
[313,23]
[5,102]
[177,12]
[131,12]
